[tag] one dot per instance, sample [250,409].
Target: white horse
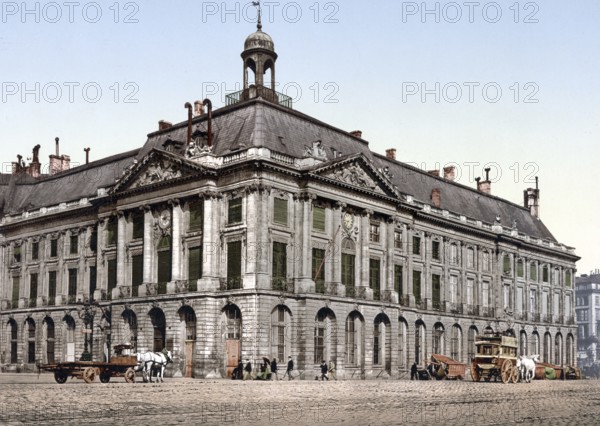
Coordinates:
[149,361]
[526,366]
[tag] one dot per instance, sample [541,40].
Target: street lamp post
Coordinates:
[87,313]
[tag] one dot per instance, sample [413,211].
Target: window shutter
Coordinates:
[195,263]
[319,218]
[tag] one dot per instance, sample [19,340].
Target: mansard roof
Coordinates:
[261,124]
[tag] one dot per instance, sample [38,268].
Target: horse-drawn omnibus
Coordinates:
[496,357]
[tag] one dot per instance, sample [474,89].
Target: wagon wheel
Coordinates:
[475,372]
[506,371]
[130,375]
[105,376]
[515,374]
[60,376]
[89,374]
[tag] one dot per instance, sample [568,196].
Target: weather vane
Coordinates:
[259,23]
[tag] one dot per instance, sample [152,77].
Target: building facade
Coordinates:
[257,231]
[587,308]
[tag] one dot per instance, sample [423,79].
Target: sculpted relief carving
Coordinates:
[157,171]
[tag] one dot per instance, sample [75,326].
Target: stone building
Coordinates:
[587,310]
[256,230]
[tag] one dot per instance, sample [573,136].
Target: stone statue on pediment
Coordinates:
[315,151]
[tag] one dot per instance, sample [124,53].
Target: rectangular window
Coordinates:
[234,265]
[196,216]
[375,277]
[17,254]
[485,294]
[15,292]
[348,273]
[35,251]
[73,244]
[374,233]
[51,288]
[194,266]
[470,258]
[533,272]
[568,306]
[318,269]
[398,280]
[398,240]
[234,211]
[280,211]
[519,302]
[137,273]
[279,266]
[416,249]
[72,285]
[54,248]
[111,275]
[94,241]
[318,223]
[506,265]
[453,254]
[453,289]
[138,225]
[485,259]
[520,269]
[435,291]
[435,250]
[532,302]
[568,278]
[556,304]
[470,288]
[507,297]
[93,281]
[545,274]
[417,286]
[112,230]
[33,289]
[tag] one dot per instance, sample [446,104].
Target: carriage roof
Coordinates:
[508,341]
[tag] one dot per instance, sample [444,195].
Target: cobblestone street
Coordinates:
[25,398]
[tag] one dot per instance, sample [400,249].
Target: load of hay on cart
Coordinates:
[122,364]
[448,368]
[496,358]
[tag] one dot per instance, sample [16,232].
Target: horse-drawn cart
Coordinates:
[447,367]
[496,357]
[121,365]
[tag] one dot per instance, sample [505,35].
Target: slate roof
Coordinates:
[258,123]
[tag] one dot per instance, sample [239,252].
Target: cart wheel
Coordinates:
[515,375]
[60,376]
[475,372]
[506,371]
[130,375]
[105,376]
[89,374]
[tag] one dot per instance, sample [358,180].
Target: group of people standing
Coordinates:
[268,370]
[327,370]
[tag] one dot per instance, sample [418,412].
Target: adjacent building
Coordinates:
[587,308]
[255,231]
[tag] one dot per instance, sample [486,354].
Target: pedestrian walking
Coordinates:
[290,368]
[413,372]
[324,369]
[248,370]
[274,369]
[332,370]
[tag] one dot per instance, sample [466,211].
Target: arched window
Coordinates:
[547,347]
[281,320]
[437,346]
[570,358]
[535,343]
[50,336]
[420,341]
[187,333]
[522,343]
[69,339]
[558,350]
[471,342]
[30,327]
[233,317]
[382,342]
[402,343]
[12,325]
[325,336]
[456,343]
[188,318]
[130,325]
[355,326]
[157,317]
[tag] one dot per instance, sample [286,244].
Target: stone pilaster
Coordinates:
[101,283]
[210,240]
[363,290]
[148,253]
[388,289]
[303,227]
[177,225]
[336,250]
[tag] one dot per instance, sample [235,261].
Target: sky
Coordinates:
[508,85]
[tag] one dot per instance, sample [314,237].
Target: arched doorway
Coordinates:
[355,343]
[130,328]
[382,342]
[281,321]
[456,343]
[159,325]
[14,342]
[325,337]
[523,343]
[420,341]
[49,336]
[547,346]
[535,343]
[402,343]
[187,321]
[437,343]
[233,337]
[69,338]
[558,349]
[30,342]
[570,358]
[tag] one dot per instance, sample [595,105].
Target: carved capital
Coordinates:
[367,213]
[173,202]
[340,205]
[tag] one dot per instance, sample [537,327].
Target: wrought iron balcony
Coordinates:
[256,92]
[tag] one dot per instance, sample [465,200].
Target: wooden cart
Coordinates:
[496,356]
[121,365]
[448,368]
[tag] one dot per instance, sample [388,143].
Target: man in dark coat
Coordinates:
[324,369]
[413,372]
[290,368]
[274,369]
[248,370]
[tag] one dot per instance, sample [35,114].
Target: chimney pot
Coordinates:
[436,197]
[449,173]
[163,125]
[391,153]
[57,146]
[87,155]
[434,173]
[198,108]
[356,133]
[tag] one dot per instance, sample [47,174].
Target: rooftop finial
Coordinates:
[259,23]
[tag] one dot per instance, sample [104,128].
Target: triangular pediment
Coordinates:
[157,167]
[358,172]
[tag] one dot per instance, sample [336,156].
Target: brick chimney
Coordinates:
[356,133]
[486,185]
[198,108]
[531,199]
[436,197]
[59,163]
[164,125]
[434,173]
[391,153]
[449,173]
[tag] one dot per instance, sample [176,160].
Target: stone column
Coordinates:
[426,283]
[336,250]
[148,245]
[388,286]
[100,293]
[409,270]
[303,228]
[210,242]
[176,228]
[121,289]
[363,291]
